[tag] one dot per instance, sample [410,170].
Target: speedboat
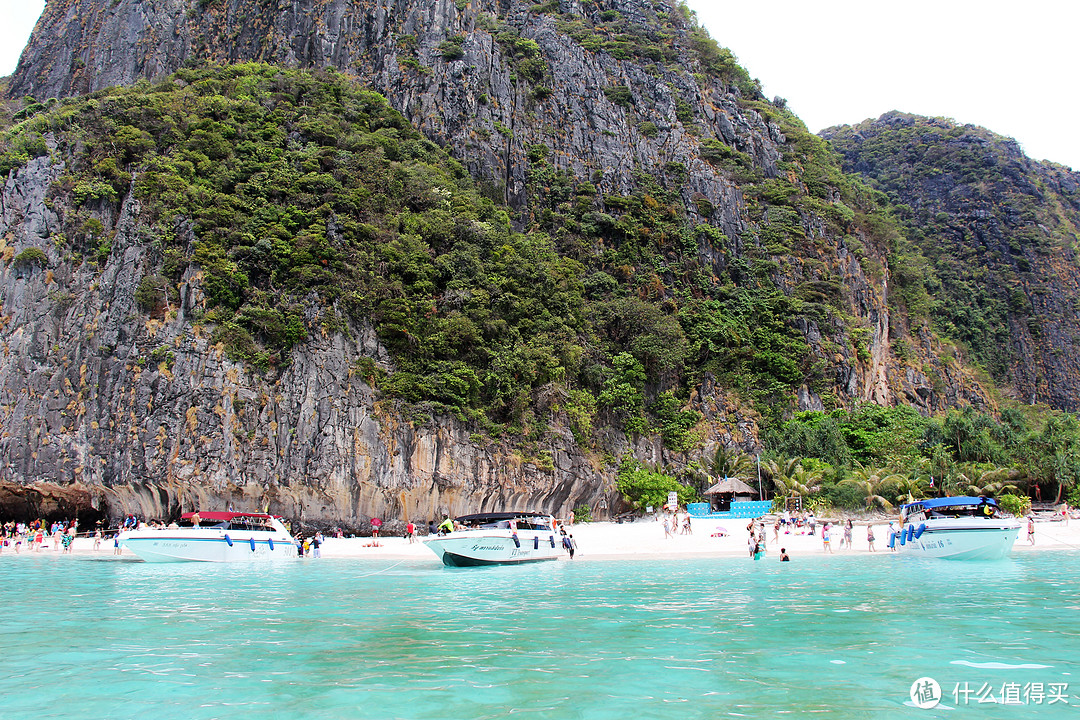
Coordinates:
[955,528]
[213,537]
[497,539]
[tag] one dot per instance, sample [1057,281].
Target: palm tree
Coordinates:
[911,488]
[872,482]
[791,479]
[724,463]
[995,481]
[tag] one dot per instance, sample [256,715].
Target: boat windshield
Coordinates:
[525,522]
[949,507]
[237,523]
[955,511]
[533,524]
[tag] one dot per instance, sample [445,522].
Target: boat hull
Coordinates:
[468,549]
[963,540]
[211,546]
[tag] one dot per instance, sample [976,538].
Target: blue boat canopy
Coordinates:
[953,501]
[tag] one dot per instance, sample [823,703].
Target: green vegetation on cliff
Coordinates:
[661,36]
[281,187]
[990,233]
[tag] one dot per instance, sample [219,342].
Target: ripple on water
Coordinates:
[586,640]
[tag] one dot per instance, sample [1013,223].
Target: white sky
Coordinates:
[1011,67]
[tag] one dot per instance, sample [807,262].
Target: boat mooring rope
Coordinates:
[377,572]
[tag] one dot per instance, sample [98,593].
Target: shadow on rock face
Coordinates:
[49,502]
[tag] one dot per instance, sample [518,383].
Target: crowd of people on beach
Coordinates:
[804,524]
[36,536]
[677,524]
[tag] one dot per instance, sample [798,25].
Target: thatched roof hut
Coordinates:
[731,486]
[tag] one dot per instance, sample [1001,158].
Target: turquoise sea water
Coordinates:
[702,638]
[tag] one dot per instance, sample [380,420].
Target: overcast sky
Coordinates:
[1011,67]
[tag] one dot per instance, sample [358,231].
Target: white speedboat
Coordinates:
[955,528]
[214,537]
[497,539]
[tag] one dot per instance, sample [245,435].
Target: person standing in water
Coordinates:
[570,544]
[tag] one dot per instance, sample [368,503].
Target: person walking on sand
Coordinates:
[870,536]
[811,521]
[569,544]
[847,534]
[1031,529]
[776,530]
[410,532]
[376,524]
[825,538]
[667,527]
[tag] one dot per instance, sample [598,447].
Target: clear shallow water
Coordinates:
[826,637]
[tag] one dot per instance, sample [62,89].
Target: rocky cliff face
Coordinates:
[90,426]
[604,91]
[1001,232]
[196,430]
[487,79]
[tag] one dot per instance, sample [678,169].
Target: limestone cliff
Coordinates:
[197,430]
[488,79]
[610,94]
[999,230]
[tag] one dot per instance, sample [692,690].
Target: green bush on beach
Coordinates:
[1015,505]
[644,488]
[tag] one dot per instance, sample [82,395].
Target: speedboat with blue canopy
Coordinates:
[955,528]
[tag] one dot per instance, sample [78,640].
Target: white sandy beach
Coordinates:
[642,539]
[645,539]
